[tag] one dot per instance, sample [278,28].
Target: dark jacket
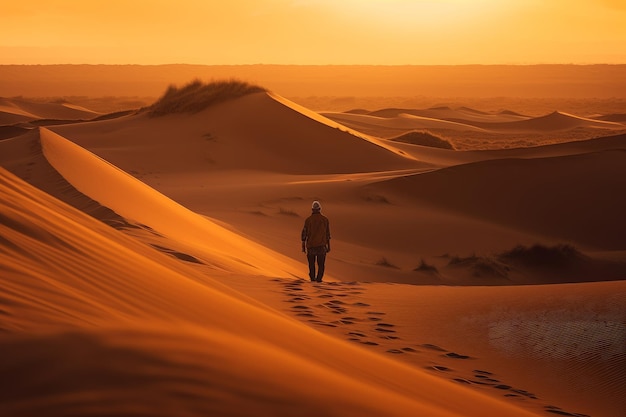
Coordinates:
[316,231]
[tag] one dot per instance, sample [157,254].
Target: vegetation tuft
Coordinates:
[481,266]
[424,138]
[541,256]
[425,267]
[197,96]
[385,262]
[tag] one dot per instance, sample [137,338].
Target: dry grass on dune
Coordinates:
[424,138]
[534,264]
[197,96]
[561,255]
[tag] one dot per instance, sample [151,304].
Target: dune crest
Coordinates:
[16,110]
[134,200]
[329,122]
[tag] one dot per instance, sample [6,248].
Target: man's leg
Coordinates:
[321,264]
[311,258]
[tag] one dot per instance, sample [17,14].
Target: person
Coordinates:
[316,241]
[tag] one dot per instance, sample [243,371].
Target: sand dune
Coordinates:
[444,158]
[570,197]
[19,111]
[129,197]
[161,333]
[555,121]
[385,127]
[446,113]
[256,132]
[467,127]
[192,304]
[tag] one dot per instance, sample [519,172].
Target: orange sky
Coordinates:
[321,32]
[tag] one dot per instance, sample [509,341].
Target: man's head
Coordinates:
[316,206]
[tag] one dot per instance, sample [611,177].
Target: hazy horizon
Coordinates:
[314,32]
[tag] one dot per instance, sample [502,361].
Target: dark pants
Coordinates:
[316,255]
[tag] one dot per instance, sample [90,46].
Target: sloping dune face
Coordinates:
[95,323]
[134,200]
[573,198]
[254,132]
[16,111]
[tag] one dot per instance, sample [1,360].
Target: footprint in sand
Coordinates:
[478,371]
[462,381]
[322,323]
[485,380]
[296,299]
[557,410]
[384,328]
[439,368]
[335,308]
[360,304]
[433,347]
[525,393]
[395,351]
[454,355]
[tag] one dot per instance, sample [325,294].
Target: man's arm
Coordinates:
[328,237]
[303,237]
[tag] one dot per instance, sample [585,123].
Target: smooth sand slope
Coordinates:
[193,306]
[572,198]
[111,326]
[16,110]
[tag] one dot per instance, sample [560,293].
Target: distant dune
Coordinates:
[469,129]
[571,198]
[572,81]
[552,122]
[18,111]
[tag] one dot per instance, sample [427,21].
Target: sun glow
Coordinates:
[410,14]
[384,32]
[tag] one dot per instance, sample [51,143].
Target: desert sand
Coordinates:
[151,265]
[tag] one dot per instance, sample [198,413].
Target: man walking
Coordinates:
[316,241]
